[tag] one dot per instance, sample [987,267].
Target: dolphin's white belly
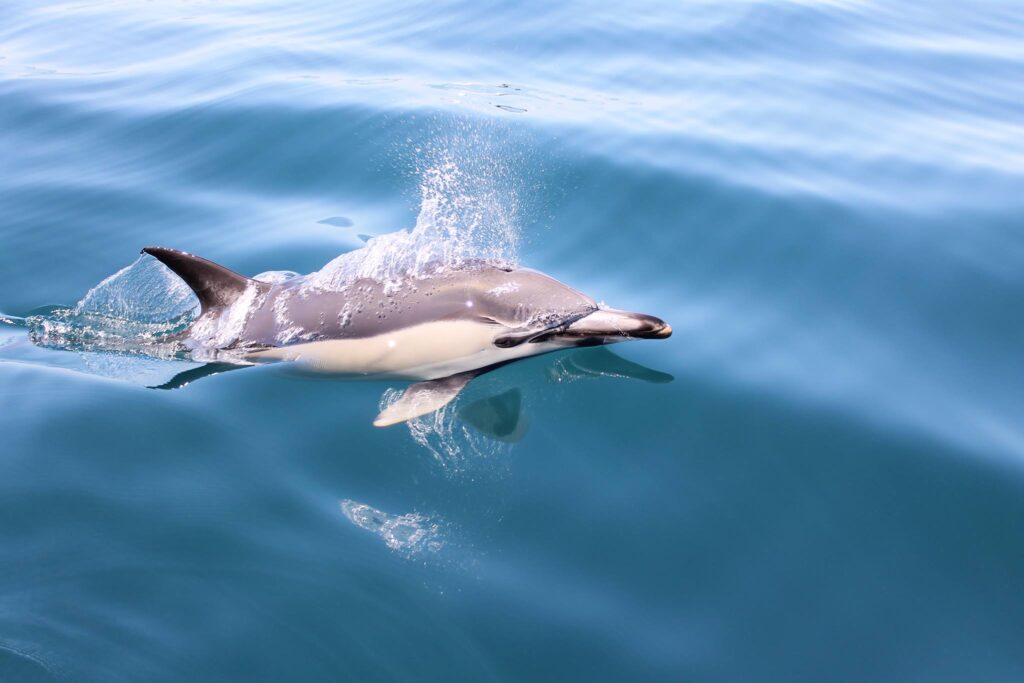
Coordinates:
[428,351]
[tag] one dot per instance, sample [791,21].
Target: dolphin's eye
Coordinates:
[487,320]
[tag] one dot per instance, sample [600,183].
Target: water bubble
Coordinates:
[410,535]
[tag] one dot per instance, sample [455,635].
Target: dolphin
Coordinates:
[442,329]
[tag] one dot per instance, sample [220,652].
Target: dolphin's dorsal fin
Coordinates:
[214,285]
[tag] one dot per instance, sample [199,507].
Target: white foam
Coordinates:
[223,330]
[409,534]
[276,276]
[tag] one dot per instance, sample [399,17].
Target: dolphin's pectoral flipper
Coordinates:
[424,397]
[215,285]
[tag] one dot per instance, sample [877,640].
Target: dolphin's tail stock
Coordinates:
[215,285]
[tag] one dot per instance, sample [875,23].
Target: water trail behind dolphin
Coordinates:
[128,311]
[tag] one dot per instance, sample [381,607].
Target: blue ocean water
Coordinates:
[820,476]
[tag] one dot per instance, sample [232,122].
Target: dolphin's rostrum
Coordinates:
[443,329]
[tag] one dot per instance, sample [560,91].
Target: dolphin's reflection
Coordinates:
[471,432]
[183,379]
[600,362]
[499,416]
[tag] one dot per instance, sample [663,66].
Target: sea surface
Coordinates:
[819,477]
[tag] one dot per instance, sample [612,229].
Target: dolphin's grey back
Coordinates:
[295,311]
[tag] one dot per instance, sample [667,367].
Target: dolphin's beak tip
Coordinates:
[613,325]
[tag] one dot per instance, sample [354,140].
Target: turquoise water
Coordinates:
[820,476]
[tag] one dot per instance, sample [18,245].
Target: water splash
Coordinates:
[410,535]
[132,311]
[210,333]
[469,210]
[453,444]
[469,198]
[276,277]
[144,292]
